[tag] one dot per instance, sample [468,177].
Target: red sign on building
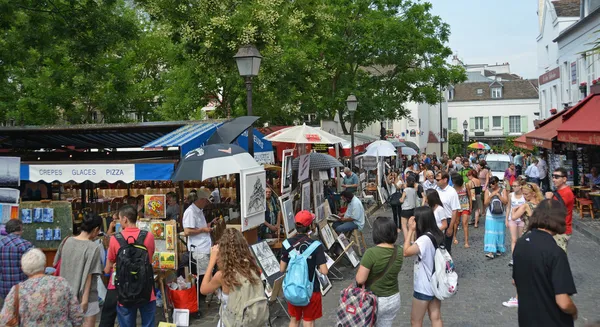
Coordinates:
[550,76]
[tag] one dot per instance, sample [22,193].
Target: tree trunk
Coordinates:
[344,129]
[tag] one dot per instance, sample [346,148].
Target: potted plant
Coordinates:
[583,86]
[595,82]
[553,111]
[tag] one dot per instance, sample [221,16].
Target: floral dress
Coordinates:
[44,301]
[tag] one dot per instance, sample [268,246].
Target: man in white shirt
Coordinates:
[215,195]
[449,199]
[197,229]
[543,170]
[533,173]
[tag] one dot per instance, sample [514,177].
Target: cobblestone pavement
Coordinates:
[483,285]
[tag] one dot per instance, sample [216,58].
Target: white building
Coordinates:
[577,64]
[494,104]
[554,17]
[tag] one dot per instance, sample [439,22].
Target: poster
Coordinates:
[303,167]
[265,258]
[48,215]
[170,237]
[158,230]
[9,195]
[155,206]
[287,211]
[318,196]
[320,213]
[10,171]
[286,171]
[37,215]
[167,260]
[26,216]
[6,212]
[306,196]
[253,198]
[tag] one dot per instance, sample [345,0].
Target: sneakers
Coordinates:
[512,303]
[510,263]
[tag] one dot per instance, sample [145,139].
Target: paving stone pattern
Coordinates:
[483,285]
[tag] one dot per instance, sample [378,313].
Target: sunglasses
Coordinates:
[558,176]
[438,179]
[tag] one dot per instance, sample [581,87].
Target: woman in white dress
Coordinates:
[516,199]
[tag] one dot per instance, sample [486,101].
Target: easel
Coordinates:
[277,296]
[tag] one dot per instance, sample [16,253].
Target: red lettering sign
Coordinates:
[312,137]
[550,76]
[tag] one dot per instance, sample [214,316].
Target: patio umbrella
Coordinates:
[381,144]
[379,152]
[479,145]
[318,161]
[412,145]
[231,129]
[303,135]
[213,160]
[408,151]
[396,143]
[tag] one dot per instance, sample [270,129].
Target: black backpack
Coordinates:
[134,277]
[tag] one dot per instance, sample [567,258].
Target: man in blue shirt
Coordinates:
[353,218]
[350,182]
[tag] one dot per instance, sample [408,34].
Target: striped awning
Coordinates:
[187,137]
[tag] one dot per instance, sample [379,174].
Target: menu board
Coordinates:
[165,241]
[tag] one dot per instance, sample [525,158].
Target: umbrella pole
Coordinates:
[337,169]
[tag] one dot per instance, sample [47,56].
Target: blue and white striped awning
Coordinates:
[187,137]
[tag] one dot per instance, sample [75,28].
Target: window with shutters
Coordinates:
[514,124]
[496,93]
[478,123]
[497,122]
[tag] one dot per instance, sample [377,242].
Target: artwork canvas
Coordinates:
[303,167]
[167,260]
[330,262]
[287,211]
[37,215]
[306,196]
[286,171]
[350,252]
[155,206]
[48,215]
[255,193]
[10,173]
[327,236]
[170,237]
[265,258]
[324,282]
[14,212]
[158,230]
[6,211]
[9,195]
[26,216]
[320,213]
[318,194]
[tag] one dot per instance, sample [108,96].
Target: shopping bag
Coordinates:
[185,299]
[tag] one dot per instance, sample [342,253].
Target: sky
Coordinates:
[493,31]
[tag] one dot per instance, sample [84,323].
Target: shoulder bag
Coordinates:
[57,266]
[14,321]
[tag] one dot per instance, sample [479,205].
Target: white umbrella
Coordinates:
[381,144]
[380,152]
[303,135]
[408,151]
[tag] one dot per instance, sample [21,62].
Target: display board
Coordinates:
[165,241]
[54,220]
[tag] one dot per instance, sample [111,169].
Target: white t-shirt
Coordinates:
[440,215]
[193,217]
[216,196]
[424,266]
[514,202]
[449,199]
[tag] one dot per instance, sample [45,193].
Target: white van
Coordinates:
[498,164]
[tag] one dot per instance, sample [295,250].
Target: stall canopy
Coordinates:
[263,149]
[546,133]
[521,142]
[97,172]
[187,138]
[581,123]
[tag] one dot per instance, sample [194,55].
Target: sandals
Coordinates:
[490,255]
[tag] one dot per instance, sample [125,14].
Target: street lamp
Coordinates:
[352,104]
[466,135]
[248,62]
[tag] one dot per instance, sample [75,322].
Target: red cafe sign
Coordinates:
[539,143]
[579,137]
[312,137]
[550,76]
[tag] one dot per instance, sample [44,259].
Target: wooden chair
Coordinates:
[586,205]
[359,239]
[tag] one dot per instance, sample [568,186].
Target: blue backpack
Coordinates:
[297,287]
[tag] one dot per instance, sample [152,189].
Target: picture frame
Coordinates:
[324,282]
[305,192]
[10,174]
[327,235]
[318,196]
[304,167]
[350,254]
[9,195]
[287,211]
[253,197]
[287,171]
[266,261]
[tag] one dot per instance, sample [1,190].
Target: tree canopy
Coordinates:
[63,60]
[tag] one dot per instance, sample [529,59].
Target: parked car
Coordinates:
[498,164]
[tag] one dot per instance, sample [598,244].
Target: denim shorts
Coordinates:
[422,297]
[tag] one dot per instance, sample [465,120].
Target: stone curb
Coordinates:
[593,234]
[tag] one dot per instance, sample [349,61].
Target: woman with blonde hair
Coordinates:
[237,269]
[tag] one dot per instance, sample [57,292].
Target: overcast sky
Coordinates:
[493,31]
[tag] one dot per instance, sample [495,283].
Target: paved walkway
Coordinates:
[483,285]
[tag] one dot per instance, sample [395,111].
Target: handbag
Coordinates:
[358,305]
[395,198]
[15,321]
[57,265]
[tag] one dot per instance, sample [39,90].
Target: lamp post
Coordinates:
[248,62]
[352,104]
[466,135]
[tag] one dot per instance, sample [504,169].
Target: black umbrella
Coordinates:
[318,161]
[213,160]
[231,129]
[412,146]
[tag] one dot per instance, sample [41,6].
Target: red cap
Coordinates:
[304,218]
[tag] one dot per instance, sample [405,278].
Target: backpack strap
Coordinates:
[389,265]
[559,198]
[141,237]
[313,246]
[121,239]
[433,240]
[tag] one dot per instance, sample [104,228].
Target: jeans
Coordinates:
[109,309]
[534,180]
[396,215]
[127,316]
[343,227]
[448,239]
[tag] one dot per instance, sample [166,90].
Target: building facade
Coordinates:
[493,104]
